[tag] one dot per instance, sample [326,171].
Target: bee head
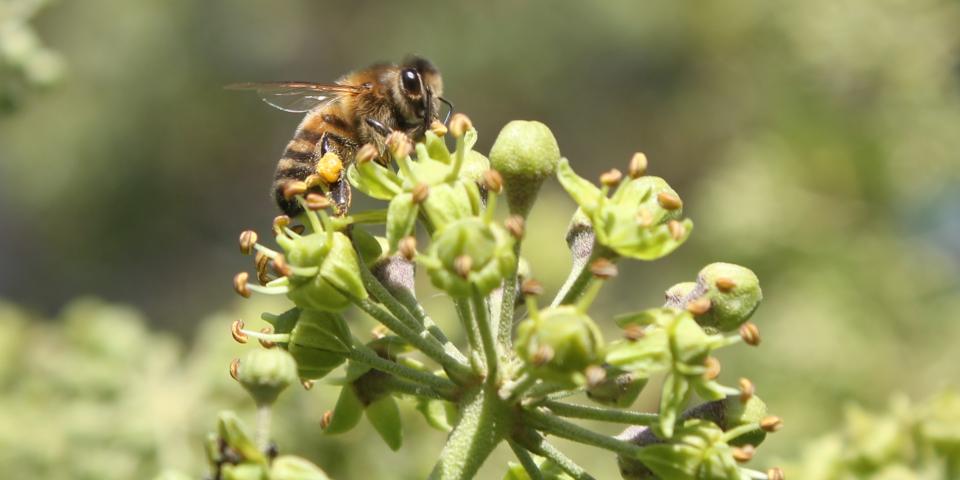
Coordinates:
[420,87]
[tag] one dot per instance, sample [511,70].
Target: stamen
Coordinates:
[746,390]
[595,375]
[462,265]
[269,290]
[293,189]
[634,332]
[638,165]
[725,284]
[236,330]
[460,124]
[743,454]
[408,247]
[248,238]
[699,306]
[240,284]
[771,424]
[438,128]
[543,355]
[316,201]
[611,178]
[420,193]
[235,369]
[669,201]
[713,368]
[281,267]
[516,226]
[366,153]
[677,230]
[750,334]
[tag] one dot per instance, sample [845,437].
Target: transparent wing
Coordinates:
[297,97]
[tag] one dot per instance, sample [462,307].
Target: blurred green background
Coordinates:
[816,142]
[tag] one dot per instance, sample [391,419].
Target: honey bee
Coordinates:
[361,107]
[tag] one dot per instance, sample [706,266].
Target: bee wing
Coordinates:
[297,97]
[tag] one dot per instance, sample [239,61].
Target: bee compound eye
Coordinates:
[411,80]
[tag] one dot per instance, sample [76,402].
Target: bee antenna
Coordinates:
[446,120]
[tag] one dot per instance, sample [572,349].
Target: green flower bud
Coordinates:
[244,471]
[525,153]
[449,202]
[335,267]
[235,435]
[642,219]
[558,343]
[474,165]
[469,253]
[619,389]
[289,467]
[699,451]
[265,373]
[733,293]
[384,415]
[374,180]
[318,343]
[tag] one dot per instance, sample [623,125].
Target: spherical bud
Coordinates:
[525,153]
[570,335]
[248,238]
[731,308]
[603,269]
[611,178]
[240,284]
[638,165]
[771,424]
[420,193]
[399,144]
[493,181]
[293,188]
[366,153]
[469,254]
[316,201]
[515,225]
[750,334]
[266,373]
[669,201]
[460,124]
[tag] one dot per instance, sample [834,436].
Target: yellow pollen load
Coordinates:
[329,167]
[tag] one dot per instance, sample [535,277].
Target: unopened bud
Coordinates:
[611,178]
[775,473]
[366,153]
[316,201]
[420,193]
[746,390]
[542,356]
[634,332]
[750,334]
[677,230]
[460,124]
[638,165]
[515,225]
[699,306]
[240,284]
[266,343]
[293,188]
[669,201]
[248,238]
[399,144]
[493,181]
[408,247]
[438,128]
[236,329]
[235,369]
[771,424]
[713,368]
[603,269]
[531,288]
[725,284]
[462,265]
[743,454]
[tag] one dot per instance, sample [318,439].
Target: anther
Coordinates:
[316,201]
[743,454]
[326,419]
[266,343]
[240,284]
[460,124]
[542,356]
[771,424]
[746,390]
[531,288]
[638,165]
[420,193]
[595,375]
[611,178]
[263,263]
[248,238]
[399,144]
[235,369]
[677,230]
[669,201]
[438,128]
[644,218]
[493,181]
[307,384]
[281,267]
[236,329]
[293,188]
[462,265]
[634,332]
[775,473]
[713,368]
[366,153]
[313,180]
[699,306]
[280,222]
[408,247]
[750,334]
[515,225]
[603,269]
[725,284]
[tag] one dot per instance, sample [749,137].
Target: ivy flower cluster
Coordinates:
[528,368]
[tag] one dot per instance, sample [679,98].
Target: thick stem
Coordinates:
[602,414]
[508,300]
[484,422]
[578,280]
[263,427]
[536,444]
[570,431]
[526,460]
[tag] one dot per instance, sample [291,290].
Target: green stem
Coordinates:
[490,354]
[526,460]
[484,422]
[543,448]
[469,326]
[363,354]
[512,391]
[399,385]
[370,216]
[570,431]
[588,412]
[409,301]
[263,427]
[578,281]
[508,301]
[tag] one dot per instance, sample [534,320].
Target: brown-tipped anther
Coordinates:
[420,193]
[248,238]
[293,188]
[644,218]
[775,473]
[408,247]
[235,368]
[280,221]
[366,153]
[611,178]
[515,225]
[329,167]
[438,128]
[462,265]
[281,266]
[746,390]
[236,329]
[460,124]
[399,144]
[263,263]
[266,343]
[240,284]
[634,332]
[493,181]
[699,306]
[313,180]
[531,288]
[677,230]
[307,384]
[603,269]
[713,368]
[543,355]
[743,454]
[595,375]
[750,334]
[316,201]
[669,201]
[725,284]
[326,419]
[771,424]
[638,165]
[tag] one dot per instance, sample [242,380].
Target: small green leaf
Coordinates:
[384,415]
[236,436]
[347,413]
[401,217]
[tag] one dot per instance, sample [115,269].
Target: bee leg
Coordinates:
[379,127]
[340,193]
